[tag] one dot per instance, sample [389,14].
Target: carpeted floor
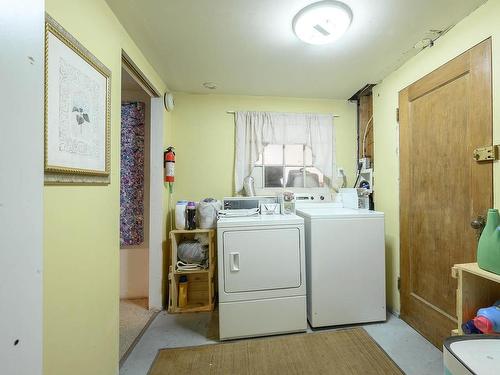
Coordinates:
[342,352]
[134,317]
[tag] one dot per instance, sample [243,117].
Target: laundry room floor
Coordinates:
[411,352]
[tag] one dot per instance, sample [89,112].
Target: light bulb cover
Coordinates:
[322,22]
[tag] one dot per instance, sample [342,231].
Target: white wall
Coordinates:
[158,206]
[134,260]
[134,272]
[21,186]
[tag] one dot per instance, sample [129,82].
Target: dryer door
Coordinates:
[263,259]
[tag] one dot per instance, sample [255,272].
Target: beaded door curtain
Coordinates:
[132,174]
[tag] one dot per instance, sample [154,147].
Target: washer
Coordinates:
[345,264]
[261,273]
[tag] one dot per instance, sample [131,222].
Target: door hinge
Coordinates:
[399,282]
[486,153]
[397,115]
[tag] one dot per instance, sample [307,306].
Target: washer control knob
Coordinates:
[322,198]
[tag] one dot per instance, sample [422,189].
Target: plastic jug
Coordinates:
[191,216]
[488,319]
[180,214]
[183,291]
[488,249]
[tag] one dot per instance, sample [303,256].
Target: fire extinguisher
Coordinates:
[169,166]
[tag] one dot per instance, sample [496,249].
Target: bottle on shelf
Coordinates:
[488,249]
[180,214]
[470,328]
[183,291]
[487,319]
[191,216]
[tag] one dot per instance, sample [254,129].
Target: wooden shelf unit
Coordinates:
[201,283]
[477,288]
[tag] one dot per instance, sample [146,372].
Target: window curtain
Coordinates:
[132,174]
[255,130]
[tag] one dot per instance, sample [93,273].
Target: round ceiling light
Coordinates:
[322,22]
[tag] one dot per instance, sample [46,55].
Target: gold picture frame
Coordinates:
[93,106]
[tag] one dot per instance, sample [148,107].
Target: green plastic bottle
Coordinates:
[488,249]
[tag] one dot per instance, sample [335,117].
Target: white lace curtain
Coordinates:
[255,130]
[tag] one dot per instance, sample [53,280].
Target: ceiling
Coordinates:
[248,47]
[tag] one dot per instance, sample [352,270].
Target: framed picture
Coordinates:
[77,111]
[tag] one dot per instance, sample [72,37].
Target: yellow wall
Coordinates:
[481,24]
[203,135]
[81,235]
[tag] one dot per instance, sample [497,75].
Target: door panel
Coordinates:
[261,260]
[443,118]
[435,213]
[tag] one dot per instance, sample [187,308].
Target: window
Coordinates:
[286,166]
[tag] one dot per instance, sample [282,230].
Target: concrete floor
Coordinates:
[413,354]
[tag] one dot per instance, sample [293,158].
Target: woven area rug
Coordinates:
[348,351]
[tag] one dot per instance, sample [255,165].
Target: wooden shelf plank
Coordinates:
[182,231]
[187,272]
[193,308]
[474,269]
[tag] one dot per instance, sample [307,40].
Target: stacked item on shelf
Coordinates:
[193,254]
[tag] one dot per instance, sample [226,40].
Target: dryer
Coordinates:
[261,274]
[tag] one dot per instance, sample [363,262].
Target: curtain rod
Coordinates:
[331,114]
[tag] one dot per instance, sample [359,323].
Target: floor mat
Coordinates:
[348,351]
[134,317]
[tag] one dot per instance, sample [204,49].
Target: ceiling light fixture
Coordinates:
[322,22]
[210,85]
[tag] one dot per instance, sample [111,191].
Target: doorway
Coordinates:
[137,239]
[443,117]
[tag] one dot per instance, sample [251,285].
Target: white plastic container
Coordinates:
[349,198]
[180,214]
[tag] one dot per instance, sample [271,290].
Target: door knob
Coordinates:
[478,223]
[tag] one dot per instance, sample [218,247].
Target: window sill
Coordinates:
[276,191]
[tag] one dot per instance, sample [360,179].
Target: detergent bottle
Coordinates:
[487,319]
[488,249]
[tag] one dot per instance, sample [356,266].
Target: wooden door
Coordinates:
[443,118]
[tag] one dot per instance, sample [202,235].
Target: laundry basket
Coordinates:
[472,355]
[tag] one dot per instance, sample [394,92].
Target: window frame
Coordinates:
[271,190]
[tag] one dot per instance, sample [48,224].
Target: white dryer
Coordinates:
[261,273]
[345,264]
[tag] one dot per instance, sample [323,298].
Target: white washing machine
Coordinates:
[471,355]
[261,273]
[345,264]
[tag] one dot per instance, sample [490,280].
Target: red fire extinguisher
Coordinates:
[169,165]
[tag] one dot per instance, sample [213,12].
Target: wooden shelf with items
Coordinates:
[477,288]
[201,283]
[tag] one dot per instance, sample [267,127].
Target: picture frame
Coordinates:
[77,111]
